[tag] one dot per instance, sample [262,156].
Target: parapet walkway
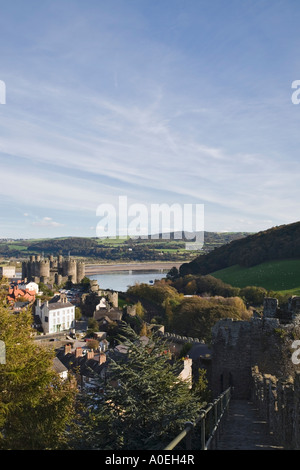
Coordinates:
[245,430]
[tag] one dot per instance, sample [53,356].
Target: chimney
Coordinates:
[78,352]
[67,348]
[90,354]
[102,358]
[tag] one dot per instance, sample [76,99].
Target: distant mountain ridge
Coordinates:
[276,243]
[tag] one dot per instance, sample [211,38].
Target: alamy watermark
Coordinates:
[155,221]
[296,94]
[295,355]
[2,352]
[2,92]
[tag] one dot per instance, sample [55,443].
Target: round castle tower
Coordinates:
[80,271]
[70,270]
[43,269]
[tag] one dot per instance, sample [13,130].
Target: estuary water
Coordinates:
[121,280]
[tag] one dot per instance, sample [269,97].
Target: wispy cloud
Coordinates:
[105,104]
[47,222]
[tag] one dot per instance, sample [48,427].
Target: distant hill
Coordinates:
[76,245]
[166,247]
[277,243]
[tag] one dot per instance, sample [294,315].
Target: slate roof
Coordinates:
[59,367]
[87,367]
[59,305]
[198,350]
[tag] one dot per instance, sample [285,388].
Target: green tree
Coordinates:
[195,316]
[93,344]
[85,283]
[92,326]
[47,292]
[173,273]
[78,313]
[140,310]
[36,406]
[145,405]
[253,295]
[201,386]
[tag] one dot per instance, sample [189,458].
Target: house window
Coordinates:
[46,319]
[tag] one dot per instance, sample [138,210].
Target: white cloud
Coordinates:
[103,107]
[47,222]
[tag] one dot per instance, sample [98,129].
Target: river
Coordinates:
[121,280]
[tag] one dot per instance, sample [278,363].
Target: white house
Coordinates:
[56,316]
[60,369]
[101,304]
[33,286]
[186,373]
[8,271]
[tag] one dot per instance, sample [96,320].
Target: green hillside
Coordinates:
[275,244]
[280,276]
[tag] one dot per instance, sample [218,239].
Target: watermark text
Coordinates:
[2,92]
[155,221]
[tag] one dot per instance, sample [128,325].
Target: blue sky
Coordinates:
[167,101]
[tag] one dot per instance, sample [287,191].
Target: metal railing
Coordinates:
[204,431]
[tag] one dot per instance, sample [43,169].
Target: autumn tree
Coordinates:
[195,316]
[140,311]
[36,406]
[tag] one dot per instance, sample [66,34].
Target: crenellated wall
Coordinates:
[278,402]
[257,358]
[266,342]
[52,270]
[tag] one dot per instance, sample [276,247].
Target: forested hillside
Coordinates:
[282,242]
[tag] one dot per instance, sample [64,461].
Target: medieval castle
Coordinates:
[52,270]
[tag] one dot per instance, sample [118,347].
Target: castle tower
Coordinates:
[70,270]
[113,298]
[51,260]
[44,269]
[80,271]
[60,263]
[58,279]
[31,267]
[24,270]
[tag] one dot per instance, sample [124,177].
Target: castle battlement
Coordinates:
[265,342]
[51,270]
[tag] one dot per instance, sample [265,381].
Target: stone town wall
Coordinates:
[237,346]
[261,361]
[278,402]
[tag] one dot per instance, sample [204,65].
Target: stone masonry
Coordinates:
[257,358]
